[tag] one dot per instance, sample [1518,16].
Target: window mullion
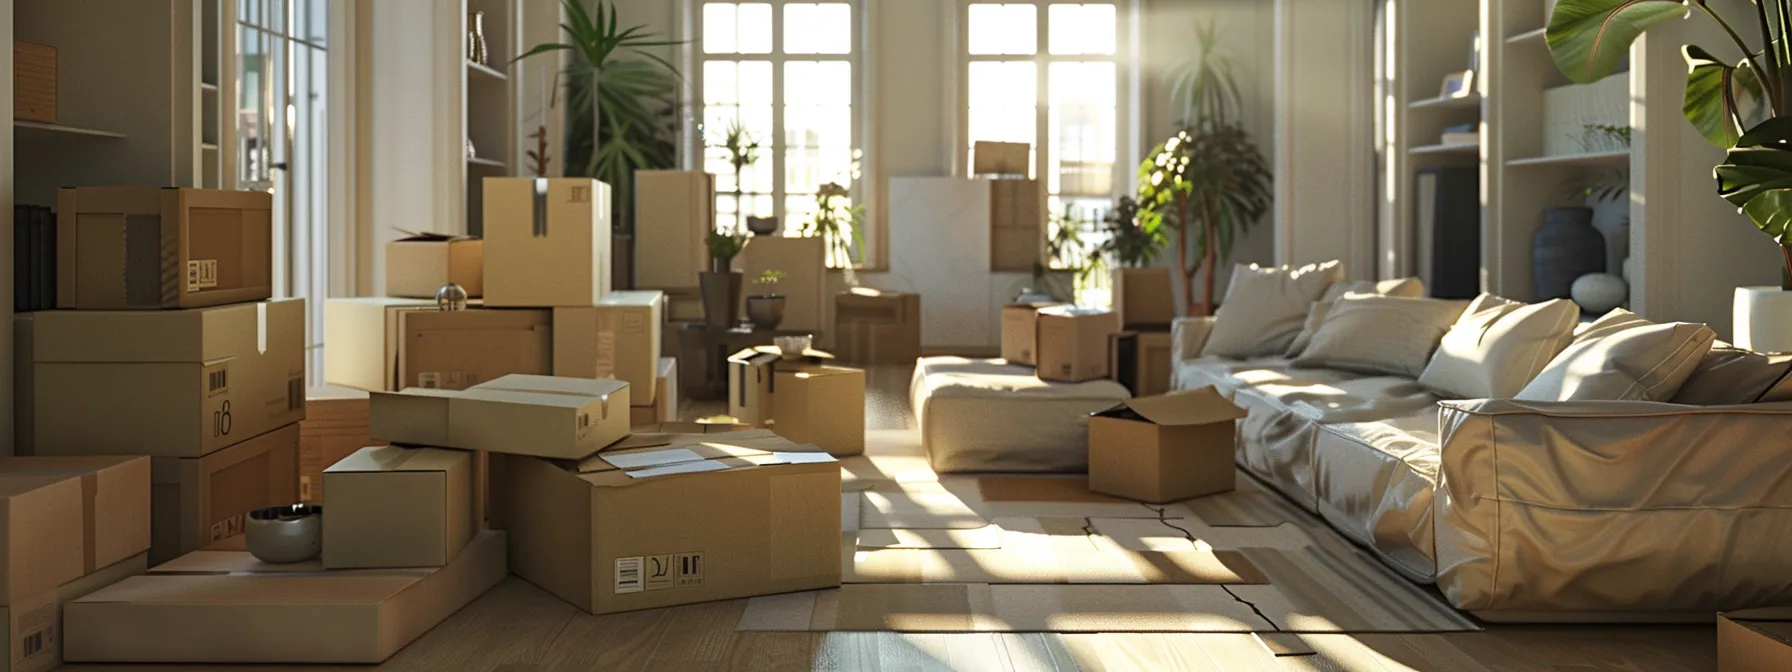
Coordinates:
[1043,97]
[778,145]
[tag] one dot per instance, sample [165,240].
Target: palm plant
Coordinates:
[1133,241]
[841,225]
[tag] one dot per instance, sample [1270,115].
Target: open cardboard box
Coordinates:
[1165,448]
[1754,639]
[419,264]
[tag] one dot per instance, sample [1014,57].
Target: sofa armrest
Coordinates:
[1613,506]
[1187,336]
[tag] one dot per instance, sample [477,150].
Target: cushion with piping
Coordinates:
[1265,307]
[1498,346]
[1623,357]
[1410,288]
[1380,334]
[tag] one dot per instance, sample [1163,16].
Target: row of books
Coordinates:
[34,258]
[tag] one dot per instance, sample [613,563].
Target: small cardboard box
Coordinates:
[547,242]
[674,212]
[399,507]
[1144,298]
[619,338]
[544,416]
[169,383]
[623,531]
[1752,640]
[822,406]
[457,349]
[419,264]
[228,607]
[751,384]
[1073,343]
[335,426]
[1001,158]
[114,504]
[138,248]
[1020,332]
[363,337]
[872,327]
[32,627]
[1140,361]
[197,501]
[665,398]
[804,285]
[34,83]
[1165,448]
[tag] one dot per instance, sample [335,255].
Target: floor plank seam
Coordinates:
[1254,609]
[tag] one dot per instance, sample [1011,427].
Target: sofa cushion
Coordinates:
[1265,307]
[1374,482]
[1498,346]
[1622,357]
[988,415]
[1409,288]
[1379,334]
[1227,375]
[1728,375]
[1331,396]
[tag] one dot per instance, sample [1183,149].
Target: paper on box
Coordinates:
[398,507]
[32,627]
[544,416]
[147,247]
[619,338]
[1165,448]
[197,501]
[1020,332]
[363,336]
[822,406]
[114,502]
[547,241]
[1073,343]
[419,264]
[457,349]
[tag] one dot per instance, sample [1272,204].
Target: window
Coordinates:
[787,73]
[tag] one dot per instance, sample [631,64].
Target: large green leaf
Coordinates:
[1588,38]
[1756,176]
[1711,97]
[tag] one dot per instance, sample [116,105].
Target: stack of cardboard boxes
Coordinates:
[1139,354]
[1016,205]
[674,212]
[1129,344]
[802,398]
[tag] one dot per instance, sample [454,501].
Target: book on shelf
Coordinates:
[1472,138]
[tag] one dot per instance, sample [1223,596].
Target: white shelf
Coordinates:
[209,146]
[1594,159]
[481,161]
[1528,36]
[1454,148]
[69,130]
[1464,102]
[208,87]
[486,71]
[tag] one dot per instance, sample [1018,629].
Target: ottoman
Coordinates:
[982,415]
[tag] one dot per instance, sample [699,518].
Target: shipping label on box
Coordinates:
[33,628]
[152,248]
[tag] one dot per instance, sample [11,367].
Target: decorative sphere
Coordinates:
[451,297]
[1598,293]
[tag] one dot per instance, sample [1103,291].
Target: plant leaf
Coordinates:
[1588,38]
[1756,176]
[1710,94]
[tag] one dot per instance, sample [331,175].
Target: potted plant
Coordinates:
[1739,104]
[766,310]
[721,283]
[743,151]
[841,225]
[1132,244]
[1067,255]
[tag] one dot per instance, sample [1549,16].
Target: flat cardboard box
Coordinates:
[822,406]
[32,627]
[114,504]
[136,248]
[1001,158]
[1140,361]
[363,336]
[399,507]
[751,384]
[457,349]
[197,501]
[543,416]
[1751,640]
[607,538]
[419,264]
[335,426]
[547,242]
[804,285]
[1144,298]
[1020,332]
[665,398]
[228,607]
[185,383]
[1165,448]
[872,327]
[674,212]
[619,338]
[1073,343]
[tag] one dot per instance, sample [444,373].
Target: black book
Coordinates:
[48,266]
[34,277]
[21,251]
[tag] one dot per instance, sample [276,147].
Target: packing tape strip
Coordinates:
[539,209]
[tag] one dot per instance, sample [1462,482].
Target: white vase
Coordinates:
[1599,293]
[1763,319]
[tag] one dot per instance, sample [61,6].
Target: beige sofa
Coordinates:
[1525,511]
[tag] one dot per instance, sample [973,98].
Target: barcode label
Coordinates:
[295,394]
[36,631]
[202,274]
[430,380]
[581,194]
[217,381]
[690,569]
[628,575]
[226,528]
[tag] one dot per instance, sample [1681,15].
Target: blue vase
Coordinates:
[1566,247]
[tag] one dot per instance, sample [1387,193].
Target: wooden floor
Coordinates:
[518,628]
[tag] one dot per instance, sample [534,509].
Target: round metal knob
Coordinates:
[451,297]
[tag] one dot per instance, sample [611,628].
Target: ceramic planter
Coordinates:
[1763,319]
[721,298]
[283,534]
[765,311]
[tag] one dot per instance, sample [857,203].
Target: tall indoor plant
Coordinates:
[842,227]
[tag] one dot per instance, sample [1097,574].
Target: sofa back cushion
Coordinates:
[1409,288]
[1265,307]
[1728,375]
[1380,334]
[1622,357]
[1498,346]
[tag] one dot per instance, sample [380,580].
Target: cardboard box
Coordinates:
[611,538]
[399,507]
[823,406]
[457,349]
[1001,158]
[363,337]
[751,384]
[665,398]
[619,338]
[114,506]
[184,383]
[40,517]
[1144,298]
[1073,343]
[228,607]
[1016,225]
[872,327]
[684,306]
[1166,448]
[674,212]
[547,241]
[335,426]
[197,501]
[804,286]
[32,627]
[1140,361]
[1754,639]
[419,264]
[139,248]
[1020,332]
[544,416]
[34,86]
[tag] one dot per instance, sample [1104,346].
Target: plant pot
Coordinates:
[765,311]
[283,534]
[763,226]
[721,298]
[1763,319]
[1563,249]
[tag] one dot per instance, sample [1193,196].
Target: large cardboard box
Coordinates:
[457,349]
[665,398]
[622,531]
[1754,640]
[197,501]
[1016,225]
[804,285]
[822,406]
[419,264]
[32,627]
[136,248]
[1165,448]
[228,607]
[1140,361]
[1144,298]
[674,212]
[169,383]
[1020,332]
[114,507]
[619,338]
[872,327]
[335,426]
[543,416]
[363,337]
[1073,343]
[1001,158]
[751,384]
[547,241]
[39,519]
[399,507]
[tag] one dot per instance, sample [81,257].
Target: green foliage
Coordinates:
[842,226]
[743,150]
[1133,241]
[1065,250]
[1205,88]
[723,246]
[1215,176]
[769,277]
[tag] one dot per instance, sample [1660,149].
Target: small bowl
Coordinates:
[285,534]
[793,345]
